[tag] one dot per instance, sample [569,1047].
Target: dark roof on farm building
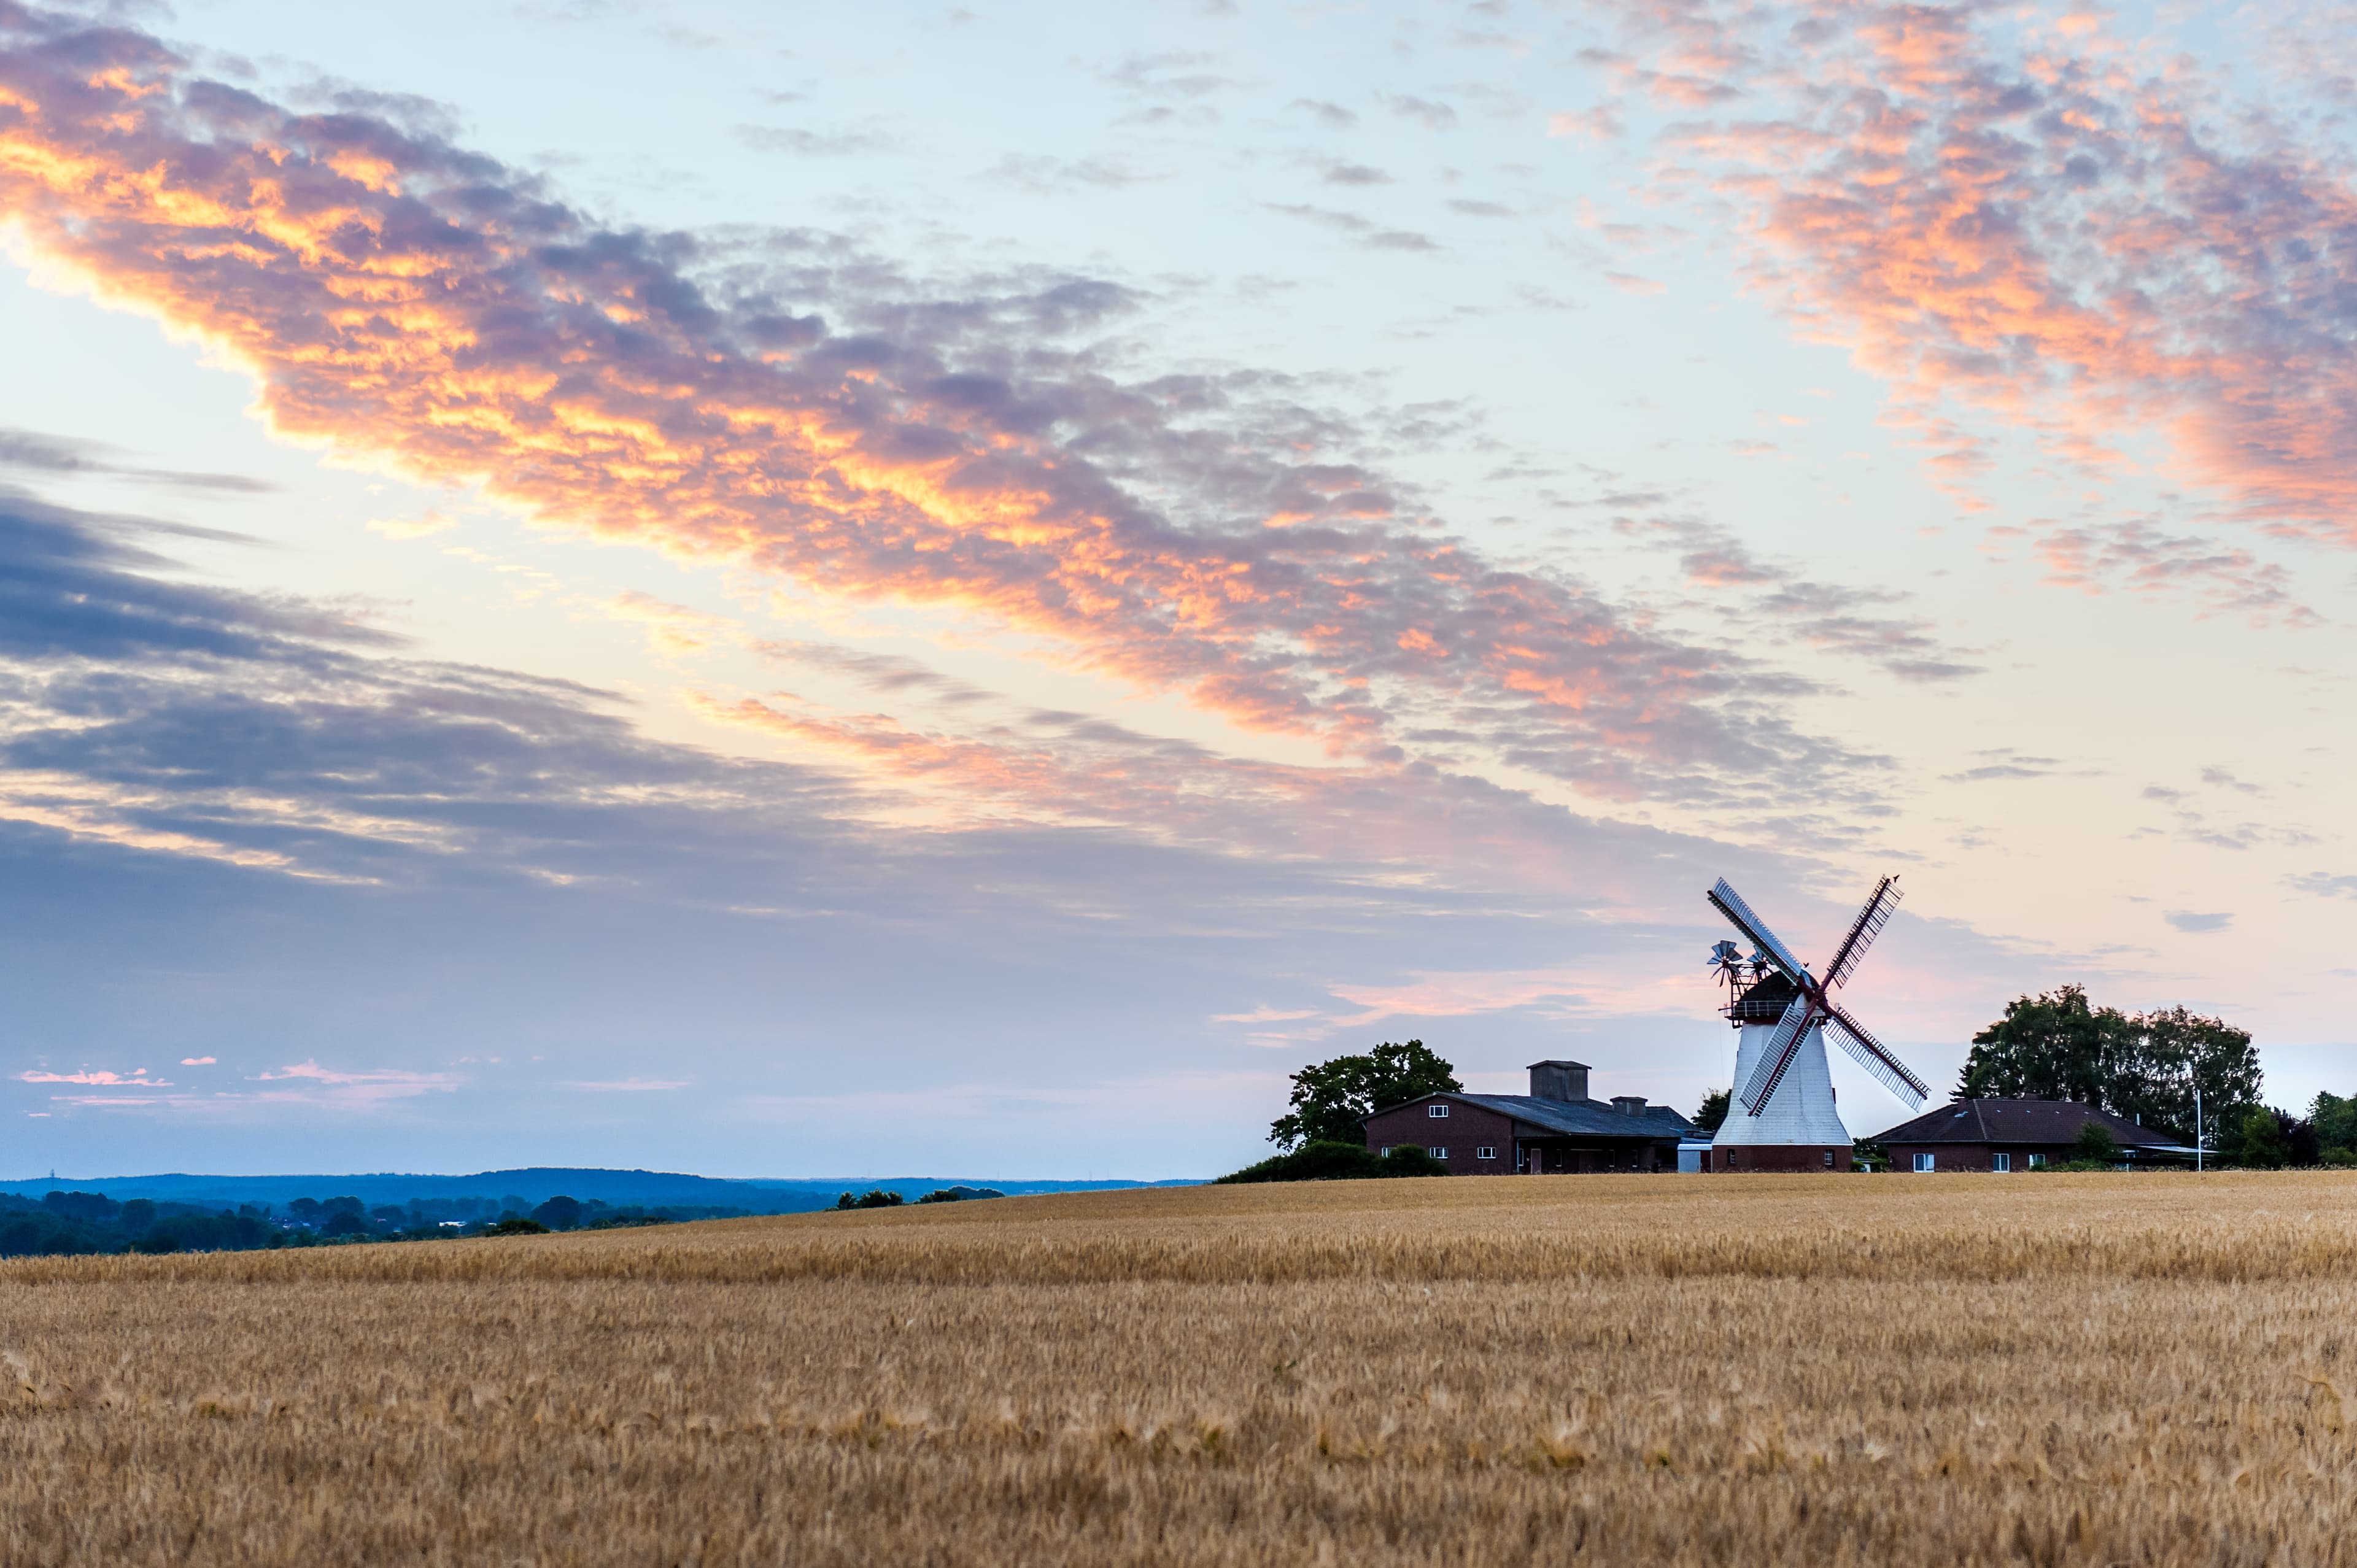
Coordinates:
[1573,1118]
[2022,1121]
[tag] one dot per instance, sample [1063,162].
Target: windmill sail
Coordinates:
[1888,1069]
[1800,1002]
[1863,930]
[1729,903]
[1781,1046]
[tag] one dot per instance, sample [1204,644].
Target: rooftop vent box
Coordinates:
[1558,1080]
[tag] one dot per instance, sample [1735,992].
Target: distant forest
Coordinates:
[78,1222]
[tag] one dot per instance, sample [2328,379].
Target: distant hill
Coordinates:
[537,1183]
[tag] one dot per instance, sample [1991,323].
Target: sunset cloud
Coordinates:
[2041,224]
[400,297]
[2220,578]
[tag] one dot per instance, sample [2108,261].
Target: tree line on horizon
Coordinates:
[66,1223]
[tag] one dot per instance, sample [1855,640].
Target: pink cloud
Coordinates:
[2038,225]
[2221,579]
[1602,124]
[199,1061]
[138,1079]
[397,296]
[383,1083]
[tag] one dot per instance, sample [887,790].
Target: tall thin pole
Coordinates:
[2197,1127]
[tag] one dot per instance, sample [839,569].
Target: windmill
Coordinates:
[1783,1116]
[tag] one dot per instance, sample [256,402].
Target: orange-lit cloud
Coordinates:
[398,296]
[1391,833]
[2038,222]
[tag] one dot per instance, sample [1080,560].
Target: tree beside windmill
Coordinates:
[1783,1116]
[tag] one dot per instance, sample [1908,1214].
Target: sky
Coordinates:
[807,590]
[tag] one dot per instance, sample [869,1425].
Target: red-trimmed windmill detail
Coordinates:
[1783,1090]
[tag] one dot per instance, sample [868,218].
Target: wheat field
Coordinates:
[1878,1370]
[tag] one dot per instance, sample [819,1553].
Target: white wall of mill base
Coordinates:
[1801,1109]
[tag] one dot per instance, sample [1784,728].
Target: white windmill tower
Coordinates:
[1782,1117]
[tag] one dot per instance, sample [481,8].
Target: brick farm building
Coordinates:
[2019,1135]
[1555,1129]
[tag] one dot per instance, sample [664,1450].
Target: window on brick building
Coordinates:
[2038,1162]
[1436,1110]
[1486,1152]
[2000,1162]
[1923,1162]
[1438,1153]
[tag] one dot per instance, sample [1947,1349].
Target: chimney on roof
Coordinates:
[1628,1104]
[1558,1080]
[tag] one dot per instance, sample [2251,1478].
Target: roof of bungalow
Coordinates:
[1571,1118]
[2026,1121]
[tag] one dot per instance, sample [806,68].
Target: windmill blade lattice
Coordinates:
[1783,1046]
[1863,930]
[1892,1073]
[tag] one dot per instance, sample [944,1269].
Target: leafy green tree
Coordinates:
[2144,1066]
[1407,1160]
[2172,1051]
[1330,1099]
[2335,1121]
[2255,1139]
[559,1213]
[86,1206]
[1712,1114]
[2054,1046]
[2265,1137]
[2096,1145]
[344,1223]
[305,1208]
[1339,1162]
